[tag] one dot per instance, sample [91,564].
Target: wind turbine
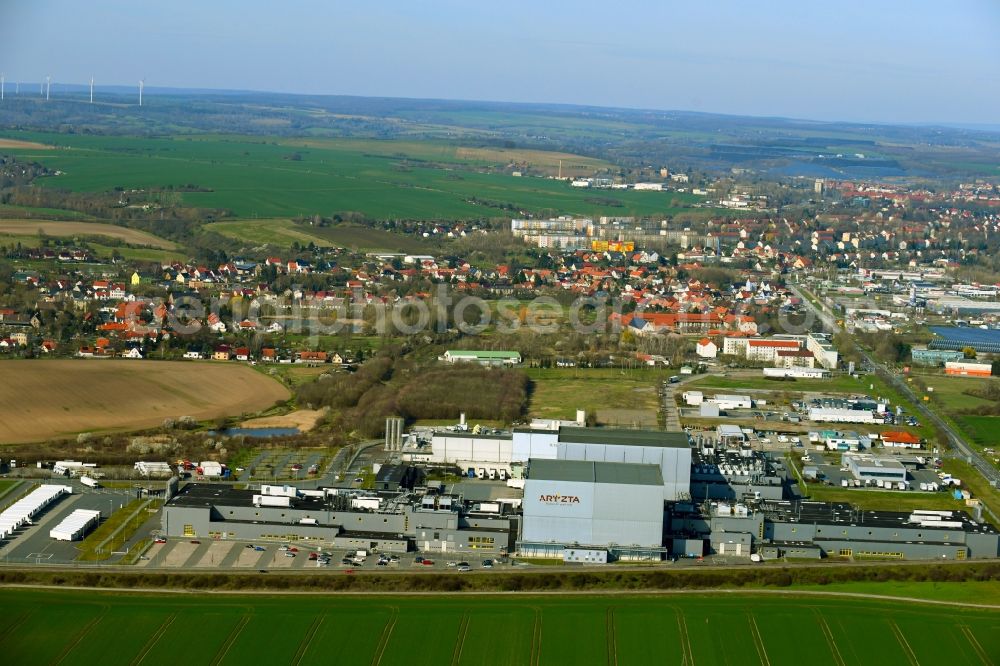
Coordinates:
[142,83]
[91,90]
[48,86]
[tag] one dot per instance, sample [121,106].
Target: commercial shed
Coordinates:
[75,525]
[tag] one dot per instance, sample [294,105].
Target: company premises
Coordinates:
[558,490]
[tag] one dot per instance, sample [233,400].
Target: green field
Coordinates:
[5,487]
[284,232]
[950,392]
[985,430]
[258,177]
[556,393]
[47,627]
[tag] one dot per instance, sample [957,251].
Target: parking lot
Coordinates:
[210,554]
[274,466]
[33,544]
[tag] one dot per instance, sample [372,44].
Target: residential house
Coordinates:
[706,348]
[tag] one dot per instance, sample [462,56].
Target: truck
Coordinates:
[89,482]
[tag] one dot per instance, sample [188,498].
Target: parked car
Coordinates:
[428,563]
[259,548]
[160,540]
[487,564]
[289,554]
[464,567]
[195,541]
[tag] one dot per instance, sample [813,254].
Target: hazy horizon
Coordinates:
[909,63]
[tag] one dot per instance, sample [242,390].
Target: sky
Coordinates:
[891,61]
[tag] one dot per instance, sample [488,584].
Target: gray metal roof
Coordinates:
[586,471]
[620,436]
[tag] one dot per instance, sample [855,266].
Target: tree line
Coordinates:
[390,384]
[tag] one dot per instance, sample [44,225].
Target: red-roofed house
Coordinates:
[767,350]
[706,348]
[900,440]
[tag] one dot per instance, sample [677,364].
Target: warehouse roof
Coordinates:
[820,513]
[204,494]
[476,353]
[620,436]
[586,471]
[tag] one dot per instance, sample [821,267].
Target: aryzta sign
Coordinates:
[558,499]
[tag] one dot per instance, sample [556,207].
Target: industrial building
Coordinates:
[935,357]
[75,525]
[844,415]
[722,401]
[983,340]
[969,368]
[21,512]
[392,522]
[482,357]
[797,373]
[596,506]
[871,469]
[727,472]
[815,530]
[508,451]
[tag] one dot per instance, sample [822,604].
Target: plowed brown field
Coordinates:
[62,228]
[43,399]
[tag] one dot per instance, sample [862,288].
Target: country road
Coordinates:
[988,471]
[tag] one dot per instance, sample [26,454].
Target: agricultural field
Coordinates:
[257,177]
[28,145]
[985,430]
[548,162]
[62,397]
[617,397]
[950,392]
[72,229]
[284,232]
[43,627]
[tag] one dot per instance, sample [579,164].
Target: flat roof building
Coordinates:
[867,467]
[482,357]
[593,505]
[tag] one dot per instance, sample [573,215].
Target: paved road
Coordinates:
[673,417]
[989,472]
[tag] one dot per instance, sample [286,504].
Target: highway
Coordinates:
[989,472]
